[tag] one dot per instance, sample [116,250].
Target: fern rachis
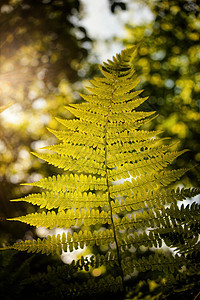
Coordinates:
[104,144]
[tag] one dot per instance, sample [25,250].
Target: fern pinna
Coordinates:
[115,190]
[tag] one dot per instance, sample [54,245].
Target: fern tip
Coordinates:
[26,183]
[6,248]
[14,200]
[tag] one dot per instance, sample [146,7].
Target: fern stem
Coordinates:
[115,237]
[109,198]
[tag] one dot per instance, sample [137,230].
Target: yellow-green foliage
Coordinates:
[102,145]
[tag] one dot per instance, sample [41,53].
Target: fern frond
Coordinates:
[120,90]
[66,219]
[74,152]
[62,201]
[151,199]
[128,241]
[171,218]
[87,128]
[79,138]
[72,182]
[57,244]
[108,284]
[103,145]
[155,262]
[80,165]
[148,182]
[144,161]
[95,99]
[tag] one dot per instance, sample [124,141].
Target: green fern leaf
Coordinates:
[104,144]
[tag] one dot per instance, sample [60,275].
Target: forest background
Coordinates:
[50,49]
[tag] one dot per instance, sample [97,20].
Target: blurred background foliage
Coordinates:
[168,63]
[41,51]
[45,55]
